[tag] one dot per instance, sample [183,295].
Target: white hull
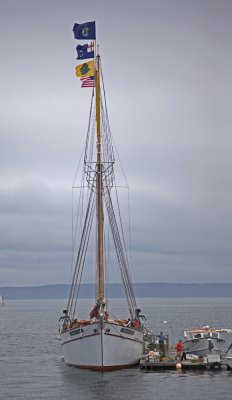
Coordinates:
[200,346]
[112,347]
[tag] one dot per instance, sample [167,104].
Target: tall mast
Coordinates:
[99,188]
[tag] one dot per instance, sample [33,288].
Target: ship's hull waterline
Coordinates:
[114,346]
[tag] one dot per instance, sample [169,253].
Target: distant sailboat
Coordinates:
[1,301]
[101,341]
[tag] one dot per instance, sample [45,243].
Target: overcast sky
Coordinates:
[167,69]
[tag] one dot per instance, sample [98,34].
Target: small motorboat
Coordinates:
[205,340]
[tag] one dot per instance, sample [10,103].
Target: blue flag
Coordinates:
[84,31]
[85,51]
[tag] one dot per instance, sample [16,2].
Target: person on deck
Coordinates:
[162,338]
[179,350]
[210,344]
[135,323]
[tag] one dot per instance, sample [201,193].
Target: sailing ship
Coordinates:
[101,341]
[204,340]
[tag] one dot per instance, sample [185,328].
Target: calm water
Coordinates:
[32,367]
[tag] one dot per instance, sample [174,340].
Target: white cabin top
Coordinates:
[205,331]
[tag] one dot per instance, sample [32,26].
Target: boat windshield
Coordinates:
[197,335]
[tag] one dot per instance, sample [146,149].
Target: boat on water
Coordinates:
[1,301]
[202,341]
[102,340]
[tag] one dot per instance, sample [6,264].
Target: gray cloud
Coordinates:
[167,69]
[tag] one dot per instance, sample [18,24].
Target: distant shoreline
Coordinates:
[115,290]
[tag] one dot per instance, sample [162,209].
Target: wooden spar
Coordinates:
[100,217]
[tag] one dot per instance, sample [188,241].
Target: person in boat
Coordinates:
[162,339]
[179,350]
[135,323]
[128,322]
[210,345]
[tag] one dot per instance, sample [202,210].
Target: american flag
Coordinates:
[88,81]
